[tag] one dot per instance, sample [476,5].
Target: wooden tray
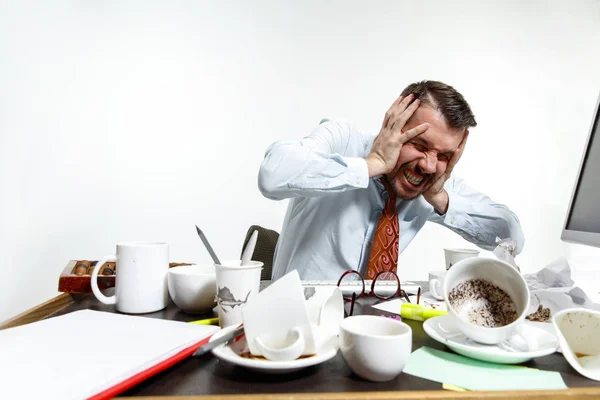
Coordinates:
[75,277]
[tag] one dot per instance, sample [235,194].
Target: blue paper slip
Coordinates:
[470,374]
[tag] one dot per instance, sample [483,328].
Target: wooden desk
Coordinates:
[214,379]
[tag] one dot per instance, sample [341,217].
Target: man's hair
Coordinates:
[445,99]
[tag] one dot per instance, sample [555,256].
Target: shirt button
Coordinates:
[326,183]
[452,220]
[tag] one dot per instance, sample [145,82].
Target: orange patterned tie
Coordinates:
[384,252]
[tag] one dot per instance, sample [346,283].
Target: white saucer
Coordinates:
[231,353]
[510,351]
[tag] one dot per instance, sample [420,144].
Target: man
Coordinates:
[346,188]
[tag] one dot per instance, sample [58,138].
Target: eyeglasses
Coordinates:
[382,287]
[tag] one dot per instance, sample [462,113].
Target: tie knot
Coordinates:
[387,186]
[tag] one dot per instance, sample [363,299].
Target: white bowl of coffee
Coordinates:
[193,287]
[487,298]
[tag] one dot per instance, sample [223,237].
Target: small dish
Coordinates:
[238,353]
[444,330]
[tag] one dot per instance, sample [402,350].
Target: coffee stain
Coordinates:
[247,354]
[580,355]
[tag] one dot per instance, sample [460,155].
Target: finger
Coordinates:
[396,111]
[458,153]
[405,115]
[390,111]
[413,133]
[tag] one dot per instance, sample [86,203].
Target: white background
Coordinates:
[125,120]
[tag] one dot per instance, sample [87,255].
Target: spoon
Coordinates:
[208,247]
[249,250]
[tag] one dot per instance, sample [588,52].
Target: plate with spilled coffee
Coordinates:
[238,353]
[511,351]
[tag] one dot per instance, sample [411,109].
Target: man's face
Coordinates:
[425,158]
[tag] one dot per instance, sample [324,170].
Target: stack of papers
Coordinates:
[91,353]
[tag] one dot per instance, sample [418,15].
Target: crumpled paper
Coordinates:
[506,251]
[553,288]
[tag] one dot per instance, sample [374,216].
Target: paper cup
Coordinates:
[236,286]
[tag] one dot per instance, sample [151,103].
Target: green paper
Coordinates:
[471,374]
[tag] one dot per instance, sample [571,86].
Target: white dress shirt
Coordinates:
[334,206]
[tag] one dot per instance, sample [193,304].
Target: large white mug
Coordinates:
[141,277]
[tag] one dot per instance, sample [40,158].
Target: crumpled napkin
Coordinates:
[553,288]
[506,251]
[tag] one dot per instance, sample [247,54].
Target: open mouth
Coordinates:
[414,180]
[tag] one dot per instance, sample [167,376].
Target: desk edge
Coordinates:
[40,311]
[570,394]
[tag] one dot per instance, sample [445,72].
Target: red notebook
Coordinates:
[92,354]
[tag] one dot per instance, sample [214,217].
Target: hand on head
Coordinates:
[387,145]
[435,194]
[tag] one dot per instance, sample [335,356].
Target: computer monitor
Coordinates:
[582,224]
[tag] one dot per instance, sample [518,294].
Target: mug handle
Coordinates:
[432,288]
[288,353]
[94,282]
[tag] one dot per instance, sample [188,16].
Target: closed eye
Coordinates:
[445,157]
[424,149]
[420,147]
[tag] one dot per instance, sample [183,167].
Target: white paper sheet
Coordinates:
[82,353]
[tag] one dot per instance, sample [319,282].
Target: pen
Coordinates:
[208,321]
[226,338]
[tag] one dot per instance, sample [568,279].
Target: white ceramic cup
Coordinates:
[436,284]
[236,286]
[500,274]
[454,255]
[193,287]
[141,277]
[578,330]
[276,323]
[376,348]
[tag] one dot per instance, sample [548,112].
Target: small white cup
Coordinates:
[502,275]
[141,277]
[436,284]
[193,287]
[236,287]
[376,348]
[452,256]
[276,322]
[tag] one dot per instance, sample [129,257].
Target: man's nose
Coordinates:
[428,163]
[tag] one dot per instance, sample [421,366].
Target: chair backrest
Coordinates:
[264,250]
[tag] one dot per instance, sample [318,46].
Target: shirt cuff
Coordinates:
[457,211]
[358,171]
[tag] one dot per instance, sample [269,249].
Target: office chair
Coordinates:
[264,250]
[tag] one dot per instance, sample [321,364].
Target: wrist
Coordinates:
[439,201]
[375,165]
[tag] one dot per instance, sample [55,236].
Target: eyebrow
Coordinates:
[426,143]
